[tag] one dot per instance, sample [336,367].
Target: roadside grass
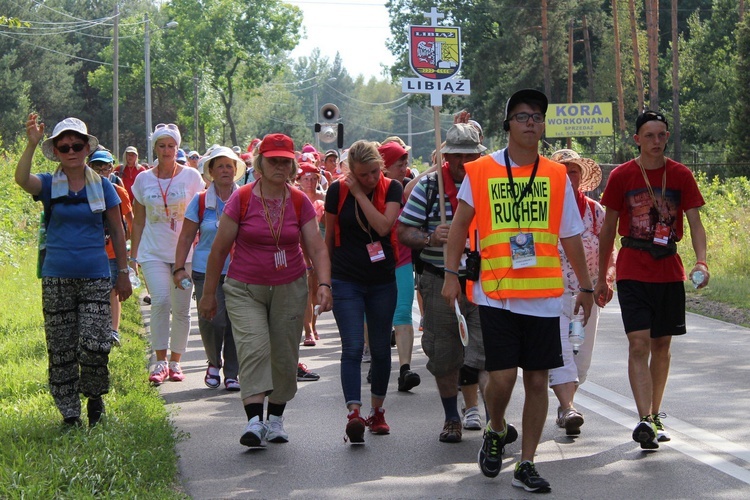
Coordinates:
[130,454]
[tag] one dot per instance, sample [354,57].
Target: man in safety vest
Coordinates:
[521,203]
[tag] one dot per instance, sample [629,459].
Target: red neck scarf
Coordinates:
[581,201]
[450,187]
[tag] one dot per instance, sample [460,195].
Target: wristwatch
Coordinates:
[124,271]
[427,239]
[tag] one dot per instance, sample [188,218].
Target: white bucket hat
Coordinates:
[67,125]
[228,153]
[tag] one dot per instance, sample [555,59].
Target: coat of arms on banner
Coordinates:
[435,51]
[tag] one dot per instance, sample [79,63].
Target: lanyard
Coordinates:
[526,190]
[163,193]
[651,190]
[275,233]
[359,221]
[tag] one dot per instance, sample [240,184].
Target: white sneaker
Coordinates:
[366,358]
[255,434]
[472,419]
[276,432]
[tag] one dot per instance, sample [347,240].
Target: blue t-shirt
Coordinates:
[75,235]
[207,232]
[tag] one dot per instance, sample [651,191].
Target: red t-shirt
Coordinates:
[626,193]
[128,175]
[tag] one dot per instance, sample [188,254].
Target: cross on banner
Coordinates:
[433,16]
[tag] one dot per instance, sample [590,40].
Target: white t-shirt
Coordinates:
[570,225]
[163,224]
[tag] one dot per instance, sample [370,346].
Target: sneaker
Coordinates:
[472,420]
[305,375]
[115,338]
[147,299]
[355,427]
[376,422]
[393,337]
[451,432]
[95,410]
[212,378]
[408,380]
[366,358]
[570,419]
[661,434]
[421,325]
[276,432]
[160,373]
[255,433]
[492,450]
[645,433]
[175,372]
[231,384]
[526,477]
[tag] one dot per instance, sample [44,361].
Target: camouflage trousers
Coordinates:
[77,326]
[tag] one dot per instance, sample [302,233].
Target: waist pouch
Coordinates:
[656,251]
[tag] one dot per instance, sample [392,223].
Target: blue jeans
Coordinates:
[351,301]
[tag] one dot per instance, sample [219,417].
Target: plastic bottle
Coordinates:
[42,246]
[697,278]
[185,283]
[576,334]
[135,281]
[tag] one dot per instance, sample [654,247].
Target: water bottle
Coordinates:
[42,246]
[576,334]
[697,278]
[135,281]
[185,283]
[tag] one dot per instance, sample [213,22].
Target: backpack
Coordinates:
[246,194]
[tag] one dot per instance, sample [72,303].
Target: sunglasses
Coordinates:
[524,117]
[194,157]
[65,149]
[170,126]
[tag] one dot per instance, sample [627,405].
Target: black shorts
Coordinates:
[659,307]
[514,340]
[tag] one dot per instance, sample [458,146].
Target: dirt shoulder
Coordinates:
[699,304]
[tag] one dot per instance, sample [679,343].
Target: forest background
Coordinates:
[227,63]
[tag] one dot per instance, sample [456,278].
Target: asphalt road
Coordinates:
[707,403]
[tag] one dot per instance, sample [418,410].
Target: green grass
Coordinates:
[131,453]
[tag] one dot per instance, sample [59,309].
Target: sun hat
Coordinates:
[331,152]
[591,172]
[277,145]
[227,153]
[131,149]
[166,130]
[462,138]
[102,156]
[476,125]
[391,152]
[67,125]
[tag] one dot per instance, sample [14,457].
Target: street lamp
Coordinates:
[147,49]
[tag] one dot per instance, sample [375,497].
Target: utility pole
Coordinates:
[569,141]
[675,86]
[545,53]
[636,56]
[195,111]
[116,85]
[652,27]
[618,72]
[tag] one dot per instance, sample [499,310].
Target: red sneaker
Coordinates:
[355,427]
[175,372]
[377,421]
[160,373]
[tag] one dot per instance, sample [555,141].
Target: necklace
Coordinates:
[164,195]
[280,256]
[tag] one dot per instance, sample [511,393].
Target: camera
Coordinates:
[472,265]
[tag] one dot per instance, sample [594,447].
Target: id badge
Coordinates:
[661,234]
[376,251]
[522,250]
[279,259]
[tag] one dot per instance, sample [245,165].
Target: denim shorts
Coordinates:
[113,272]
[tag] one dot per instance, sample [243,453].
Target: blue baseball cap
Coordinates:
[102,156]
[181,156]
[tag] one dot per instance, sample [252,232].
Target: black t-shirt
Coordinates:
[350,260]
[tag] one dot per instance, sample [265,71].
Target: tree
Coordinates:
[739,122]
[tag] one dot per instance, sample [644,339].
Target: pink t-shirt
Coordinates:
[254,248]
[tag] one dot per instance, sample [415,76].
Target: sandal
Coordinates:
[231,384]
[212,378]
[309,342]
[315,335]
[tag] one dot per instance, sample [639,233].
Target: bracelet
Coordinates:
[586,290]
[133,259]
[325,285]
[124,271]
[177,270]
[702,264]
[455,273]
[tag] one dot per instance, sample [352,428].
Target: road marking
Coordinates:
[675,426]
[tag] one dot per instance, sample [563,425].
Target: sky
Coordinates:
[356,29]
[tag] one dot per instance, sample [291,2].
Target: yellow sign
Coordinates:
[532,212]
[588,119]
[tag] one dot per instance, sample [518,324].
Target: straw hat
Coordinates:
[591,172]
[228,153]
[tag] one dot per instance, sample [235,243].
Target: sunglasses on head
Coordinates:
[77,147]
[170,126]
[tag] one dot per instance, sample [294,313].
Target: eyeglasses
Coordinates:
[101,167]
[65,149]
[524,117]
[170,126]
